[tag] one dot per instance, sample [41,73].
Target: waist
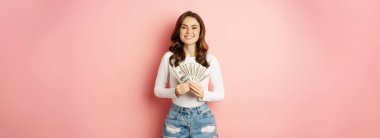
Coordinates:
[204,106]
[188,101]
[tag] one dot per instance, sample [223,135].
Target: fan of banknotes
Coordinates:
[190,72]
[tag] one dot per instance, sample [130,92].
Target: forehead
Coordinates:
[190,21]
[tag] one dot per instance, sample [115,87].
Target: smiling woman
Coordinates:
[189,33]
[189,115]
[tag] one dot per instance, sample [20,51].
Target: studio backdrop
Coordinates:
[291,68]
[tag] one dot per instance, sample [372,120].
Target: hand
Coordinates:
[197,89]
[181,89]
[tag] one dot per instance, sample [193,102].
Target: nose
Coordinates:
[189,31]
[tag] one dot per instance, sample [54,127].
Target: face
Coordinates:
[189,31]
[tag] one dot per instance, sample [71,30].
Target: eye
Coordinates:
[183,27]
[195,28]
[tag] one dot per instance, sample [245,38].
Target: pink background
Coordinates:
[292,69]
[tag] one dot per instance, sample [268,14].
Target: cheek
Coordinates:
[182,33]
[197,33]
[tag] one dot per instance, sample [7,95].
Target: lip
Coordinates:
[189,37]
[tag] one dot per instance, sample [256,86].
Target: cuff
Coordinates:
[172,93]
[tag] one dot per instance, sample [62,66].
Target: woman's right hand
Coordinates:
[181,89]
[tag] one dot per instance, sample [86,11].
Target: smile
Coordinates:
[189,37]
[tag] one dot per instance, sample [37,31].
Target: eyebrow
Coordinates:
[191,25]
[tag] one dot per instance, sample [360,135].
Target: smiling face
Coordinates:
[189,31]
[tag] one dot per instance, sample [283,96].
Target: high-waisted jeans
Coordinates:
[195,122]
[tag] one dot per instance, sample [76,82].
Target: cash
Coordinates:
[190,72]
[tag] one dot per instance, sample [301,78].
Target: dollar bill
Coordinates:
[180,75]
[190,72]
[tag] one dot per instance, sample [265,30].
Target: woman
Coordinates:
[189,115]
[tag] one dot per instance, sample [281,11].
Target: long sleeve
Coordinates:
[160,89]
[217,83]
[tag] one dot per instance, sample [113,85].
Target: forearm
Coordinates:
[165,92]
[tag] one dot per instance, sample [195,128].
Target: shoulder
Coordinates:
[167,55]
[211,58]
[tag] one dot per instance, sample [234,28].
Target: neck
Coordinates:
[189,50]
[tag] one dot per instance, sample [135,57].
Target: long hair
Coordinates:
[177,45]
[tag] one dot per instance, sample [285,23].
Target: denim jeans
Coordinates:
[195,122]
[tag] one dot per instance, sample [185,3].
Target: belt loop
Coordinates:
[198,110]
[178,109]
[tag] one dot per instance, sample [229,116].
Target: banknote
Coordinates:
[190,72]
[180,75]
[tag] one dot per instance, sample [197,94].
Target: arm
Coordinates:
[160,89]
[217,83]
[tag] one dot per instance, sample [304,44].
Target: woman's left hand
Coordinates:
[196,89]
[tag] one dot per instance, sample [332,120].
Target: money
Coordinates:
[190,72]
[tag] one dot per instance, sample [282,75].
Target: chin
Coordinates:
[189,43]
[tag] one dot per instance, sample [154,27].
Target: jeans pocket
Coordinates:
[206,114]
[172,114]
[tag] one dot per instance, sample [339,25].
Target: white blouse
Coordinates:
[216,93]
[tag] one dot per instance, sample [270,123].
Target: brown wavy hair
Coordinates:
[177,45]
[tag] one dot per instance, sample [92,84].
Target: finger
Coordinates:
[195,93]
[192,83]
[195,88]
[185,90]
[182,89]
[191,87]
[184,86]
[198,86]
